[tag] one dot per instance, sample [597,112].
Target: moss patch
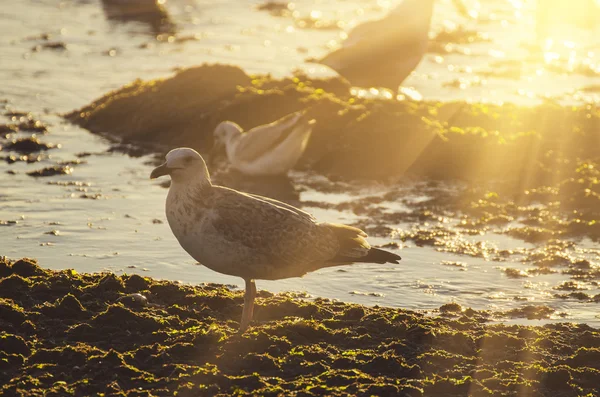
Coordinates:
[67,333]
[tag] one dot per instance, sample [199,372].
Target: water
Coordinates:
[122,228]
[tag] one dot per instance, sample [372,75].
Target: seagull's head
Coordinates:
[183,165]
[225,131]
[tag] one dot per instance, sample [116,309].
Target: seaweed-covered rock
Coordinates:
[68,307]
[11,313]
[52,171]
[354,138]
[28,145]
[26,268]
[186,342]
[189,98]
[13,286]
[135,282]
[13,344]
[5,267]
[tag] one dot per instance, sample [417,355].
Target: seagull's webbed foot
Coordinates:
[248,311]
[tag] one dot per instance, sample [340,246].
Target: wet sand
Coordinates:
[82,334]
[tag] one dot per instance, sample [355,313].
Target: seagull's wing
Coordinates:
[287,241]
[362,32]
[260,140]
[352,243]
[398,24]
[284,205]
[401,33]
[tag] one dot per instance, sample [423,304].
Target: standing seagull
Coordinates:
[269,149]
[250,236]
[382,53]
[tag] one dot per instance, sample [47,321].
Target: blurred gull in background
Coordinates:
[383,53]
[269,149]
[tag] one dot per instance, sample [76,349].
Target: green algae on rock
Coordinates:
[65,333]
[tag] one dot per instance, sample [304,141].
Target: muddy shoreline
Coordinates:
[82,334]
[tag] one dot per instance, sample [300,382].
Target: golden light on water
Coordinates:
[316,14]
[496,53]
[542,29]
[384,4]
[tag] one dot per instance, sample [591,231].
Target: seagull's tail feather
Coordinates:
[377,255]
[374,255]
[355,248]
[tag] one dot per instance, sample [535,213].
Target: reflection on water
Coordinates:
[107,215]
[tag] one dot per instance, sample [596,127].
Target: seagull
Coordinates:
[266,150]
[382,53]
[250,236]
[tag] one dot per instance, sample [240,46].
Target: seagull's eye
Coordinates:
[188,160]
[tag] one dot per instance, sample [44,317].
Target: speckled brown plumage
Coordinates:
[250,236]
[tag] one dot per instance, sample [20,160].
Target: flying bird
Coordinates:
[382,53]
[269,149]
[250,236]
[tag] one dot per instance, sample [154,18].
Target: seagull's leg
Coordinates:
[248,304]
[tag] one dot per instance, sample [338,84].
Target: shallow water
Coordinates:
[109,216]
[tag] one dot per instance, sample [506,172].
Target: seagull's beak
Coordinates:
[160,171]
